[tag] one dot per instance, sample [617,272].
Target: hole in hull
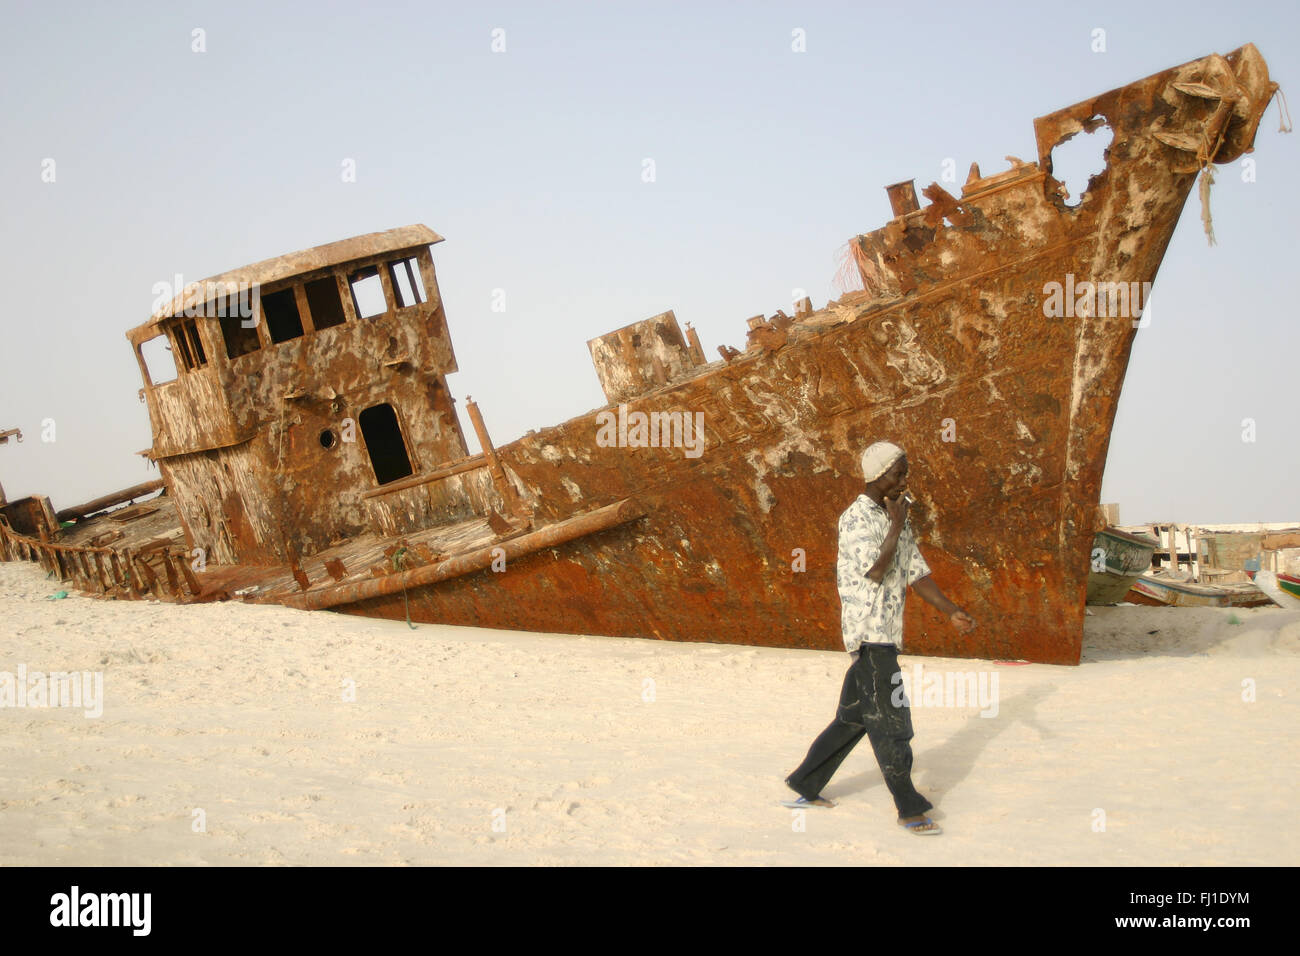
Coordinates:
[1076,160]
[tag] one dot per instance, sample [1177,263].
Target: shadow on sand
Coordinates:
[944,767]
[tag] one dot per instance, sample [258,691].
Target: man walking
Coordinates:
[878,560]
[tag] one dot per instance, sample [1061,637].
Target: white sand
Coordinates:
[238,711]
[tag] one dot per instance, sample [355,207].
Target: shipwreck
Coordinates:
[311,452]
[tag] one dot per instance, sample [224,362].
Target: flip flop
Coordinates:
[917,825]
[805,802]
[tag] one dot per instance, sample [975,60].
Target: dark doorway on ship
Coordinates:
[383,438]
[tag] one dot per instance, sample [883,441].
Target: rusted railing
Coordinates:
[162,570]
[472,463]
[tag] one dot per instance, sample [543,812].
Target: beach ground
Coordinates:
[238,734]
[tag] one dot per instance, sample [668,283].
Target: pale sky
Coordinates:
[529,161]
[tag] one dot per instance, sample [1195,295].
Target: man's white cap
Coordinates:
[879,458]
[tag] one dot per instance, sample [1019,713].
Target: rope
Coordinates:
[1283,126]
[1207,180]
[399,563]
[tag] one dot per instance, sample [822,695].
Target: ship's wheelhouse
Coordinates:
[284,395]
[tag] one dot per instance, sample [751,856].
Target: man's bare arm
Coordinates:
[887,549]
[928,590]
[896,508]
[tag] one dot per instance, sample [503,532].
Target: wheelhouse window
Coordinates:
[368,292]
[407,284]
[240,339]
[280,310]
[383,438]
[324,303]
[159,360]
[188,344]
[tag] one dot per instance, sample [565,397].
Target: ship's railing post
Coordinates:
[499,478]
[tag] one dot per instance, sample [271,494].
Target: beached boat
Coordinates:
[1118,559]
[1156,590]
[313,454]
[1284,589]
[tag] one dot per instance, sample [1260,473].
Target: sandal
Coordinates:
[922,827]
[805,802]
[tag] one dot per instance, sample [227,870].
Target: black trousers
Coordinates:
[867,706]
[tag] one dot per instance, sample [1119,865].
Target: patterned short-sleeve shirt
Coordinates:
[871,612]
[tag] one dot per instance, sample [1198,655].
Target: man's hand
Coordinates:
[962,621]
[896,508]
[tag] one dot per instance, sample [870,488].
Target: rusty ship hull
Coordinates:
[953,350]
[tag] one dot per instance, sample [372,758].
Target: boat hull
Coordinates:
[1005,413]
[1154,592]
[972,344]
[1126,558]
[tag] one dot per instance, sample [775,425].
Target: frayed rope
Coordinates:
[1207,180]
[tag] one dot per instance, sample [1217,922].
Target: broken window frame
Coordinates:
[304,310]
[180,349]
[187,343]
[200,348]
[355,270]
[340,274]
[428,278]
[240,329]
[147,371]
[414,278]
[265,323]
[305,300]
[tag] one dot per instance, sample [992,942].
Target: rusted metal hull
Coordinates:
[1005,414]
[1004,525]
[957,349]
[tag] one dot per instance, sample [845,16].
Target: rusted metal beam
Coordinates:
[456,468]
[191,581]
[610,516]
[108,501]
[173,579]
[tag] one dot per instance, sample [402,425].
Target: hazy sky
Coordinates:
[529,161]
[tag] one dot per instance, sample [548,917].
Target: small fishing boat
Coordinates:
[1284,589]
[1118,559]
[1161,590]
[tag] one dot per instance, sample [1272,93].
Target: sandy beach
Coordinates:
[234,734]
